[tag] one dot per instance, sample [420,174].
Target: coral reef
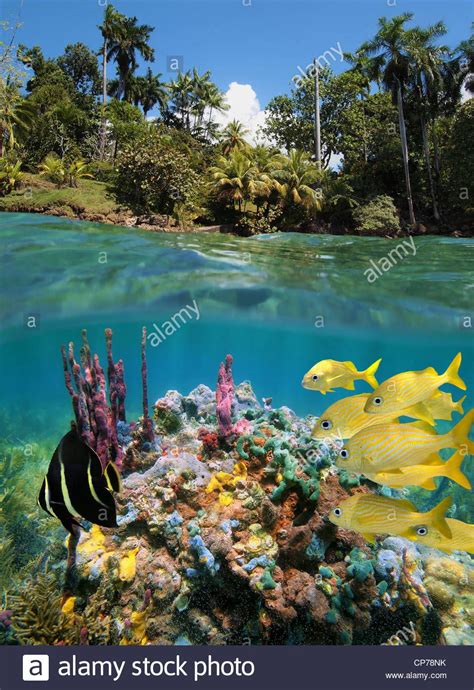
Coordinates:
[224,538]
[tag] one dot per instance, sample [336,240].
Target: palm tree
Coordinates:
[391,65]
[215,102]
[109,30]
[181,93]
[16,115]
[297,175]
[233,137]
[53,168]
[428,60]
[76,171]
[234,177]
[147,91]
[129,39]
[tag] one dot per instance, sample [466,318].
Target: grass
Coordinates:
[38,194]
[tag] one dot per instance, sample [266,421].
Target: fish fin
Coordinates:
[112,478]
[369,537]
[424,426]
[454,472]
[432,459]
[351,366]
[460,433]
[457,407]
[394,470]
[369,374]
[350,386]
[429,484]
[422,413]
[437,517]
[451,375]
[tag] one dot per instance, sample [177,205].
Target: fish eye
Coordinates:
[315,377]
[378,400]
[422,531]
[326,424]
[344,453]
[337,512]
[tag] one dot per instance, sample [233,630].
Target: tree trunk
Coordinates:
[317,123]
[426,151]
[404,144]
[103,129]
[2,131]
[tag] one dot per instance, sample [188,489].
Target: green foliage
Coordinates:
[377,217]
[10,176]
[458,171]
[80,64]
[53,169]
[153,176]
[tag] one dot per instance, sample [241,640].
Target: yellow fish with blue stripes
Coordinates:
[423,475]
[329,374]
[411,388]
[462,536]
[371,515]
[392,446]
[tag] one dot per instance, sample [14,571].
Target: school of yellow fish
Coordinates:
[394,453]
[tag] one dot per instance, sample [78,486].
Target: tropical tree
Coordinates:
[77,170]
[148,90]
[233,137]
[234,178]
[53,168]
[16,116]
[109,29]
[428,60]
[391,66]
[128,39]
[297,176]
[10,176]
[466,61]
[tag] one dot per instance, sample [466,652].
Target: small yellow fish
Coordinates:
[462,536]
[371,515]
[329,374]
[412,387]
[345,418]
[423,475]
[392,446]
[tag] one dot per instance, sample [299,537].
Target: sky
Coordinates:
[252,47]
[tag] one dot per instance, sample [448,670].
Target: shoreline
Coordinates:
[158,223]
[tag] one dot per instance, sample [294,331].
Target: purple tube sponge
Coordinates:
[224,398]
[148,433]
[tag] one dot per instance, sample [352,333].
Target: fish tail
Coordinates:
[454,472]
[451,375]
[369,374]
[458,406]
[437,517]
[460,434]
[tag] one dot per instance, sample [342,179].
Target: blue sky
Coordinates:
[259,43]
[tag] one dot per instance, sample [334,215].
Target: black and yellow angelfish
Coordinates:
[76,486]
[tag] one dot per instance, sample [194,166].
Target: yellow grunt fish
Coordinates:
[462,536]
[412,387]
[392,446]
[371,515]
[329,374]
[345,418]
[423,475]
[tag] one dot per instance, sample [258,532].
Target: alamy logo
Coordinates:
[36,667]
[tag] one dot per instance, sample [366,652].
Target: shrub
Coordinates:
[153,177]
[377,217]
[10,176]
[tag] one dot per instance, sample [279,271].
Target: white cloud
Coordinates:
[244,107]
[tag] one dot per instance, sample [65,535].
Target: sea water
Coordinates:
[277,303]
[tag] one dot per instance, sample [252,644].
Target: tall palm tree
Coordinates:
[297,175]
[428,60]
[109,30]
[215,102]
[181,94]
[391,64]
[131,38]
[233,137]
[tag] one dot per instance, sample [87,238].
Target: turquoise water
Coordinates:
[278,303]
